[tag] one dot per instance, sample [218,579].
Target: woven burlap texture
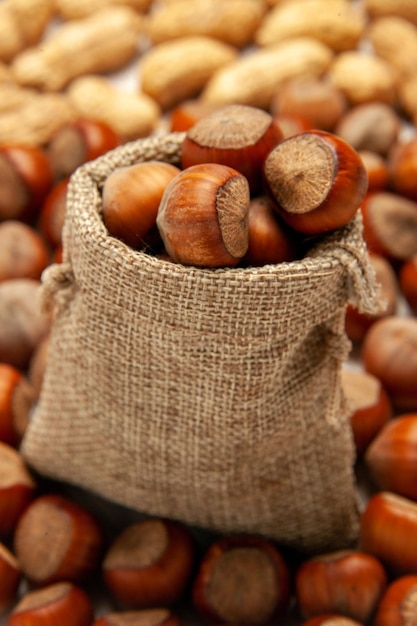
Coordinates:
[208,396]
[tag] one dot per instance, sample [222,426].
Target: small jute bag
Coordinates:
[208,396]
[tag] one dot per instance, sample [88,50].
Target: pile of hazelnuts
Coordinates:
[242,196]
[62,554]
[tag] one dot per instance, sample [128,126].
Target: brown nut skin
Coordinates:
[78,142]
[149,564]
[149,617]
[331,620]
[23,253]
[402,165]
[313,98]
[57,539]
[237,135]
[370,406]
[398,603]
[391,458]
[58,604]
[10,577]
[203,216]
[390,225]
[357,324]
[16,397]
[243,580]
[17,489]
[389,352]
[388,530]
[183,116]
[377,170]
[25,180]
[316,181]
[408,282]
[371,126]
[22,324]
[131,198]
[292,124]
[270,240]
[348,582]
[52,214]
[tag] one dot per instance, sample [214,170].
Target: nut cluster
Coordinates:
[233,161]
[314,129]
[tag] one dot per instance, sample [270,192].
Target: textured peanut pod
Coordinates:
[131,115]
[75,9]
[394,39]
[5,74]
[35,119]
[22,24]
[103,42]
[231,21]
[339,25]
[253,79]
[274,3]
[12,96]
[363,77]
[401,8]
[179,69]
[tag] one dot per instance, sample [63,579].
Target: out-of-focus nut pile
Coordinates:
[344,67]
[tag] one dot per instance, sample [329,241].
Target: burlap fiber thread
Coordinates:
[208,396]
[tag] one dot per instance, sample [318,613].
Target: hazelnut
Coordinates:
[17,488]
[408,282]
[389,352]
[131,197]
[391,458]
[369,404]
[149,564]
[78,142]
[60,603]
[25,180]
[242,580]
[236,135]
[390,225]
[56,540]
[357,324]
[373,126]
[203,216]
[348,582]
[398,604]
[270,239]
[23,254]
[388,530]
[313,98]
[316,181]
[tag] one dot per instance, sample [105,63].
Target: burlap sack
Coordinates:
[208,396]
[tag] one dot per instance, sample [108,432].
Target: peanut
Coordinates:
[22,23]
[102,42]
[131,115]
[76,9]
[363,77]
[338,25]
[253,79]
[231,21]
[179,69]
[400,8]
[5,75]
[12,96]
[395,40]
[34,117]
